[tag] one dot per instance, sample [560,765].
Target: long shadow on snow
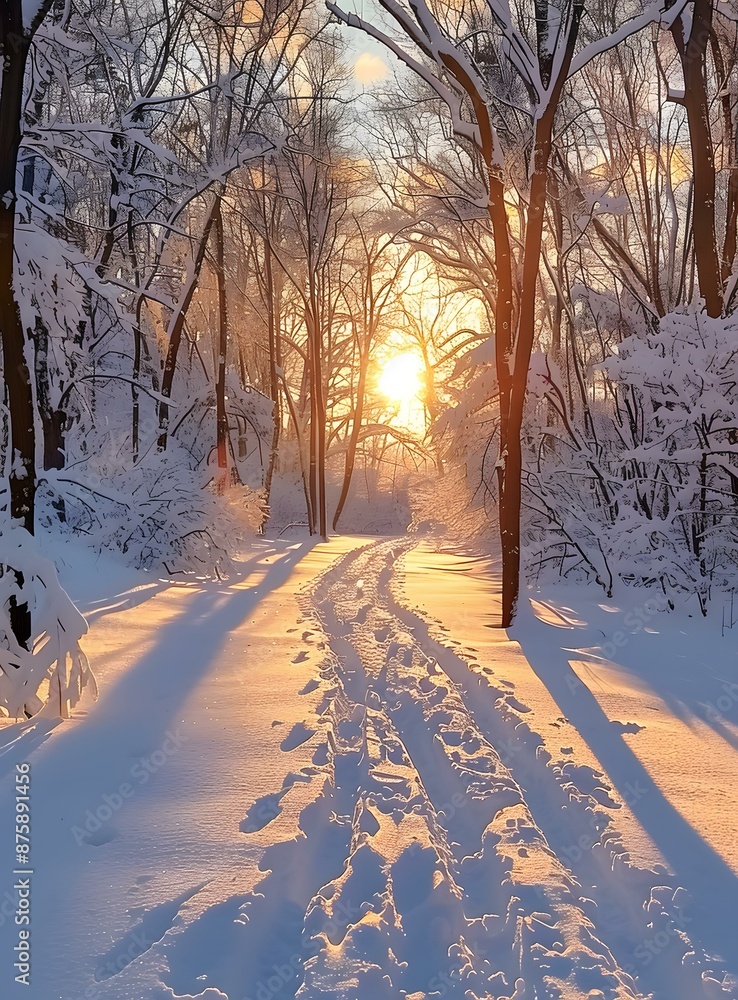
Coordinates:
[692,689]
[20,739]
[711,883]
[148,697]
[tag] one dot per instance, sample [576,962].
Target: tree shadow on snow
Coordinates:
[149,695]
[712,884]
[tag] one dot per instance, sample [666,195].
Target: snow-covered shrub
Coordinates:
[463,501]
[53,669]
[166,511]
[644,485]
[158,514]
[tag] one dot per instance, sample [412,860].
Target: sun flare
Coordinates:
[400,380]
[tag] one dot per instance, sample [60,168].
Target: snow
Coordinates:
[334,776]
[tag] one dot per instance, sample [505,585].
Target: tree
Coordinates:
[15,39]
[473,66]
[378,279]
[309,185]
[15,42]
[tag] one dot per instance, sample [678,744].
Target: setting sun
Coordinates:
[400,379]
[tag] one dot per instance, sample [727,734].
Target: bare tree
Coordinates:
[379,279]
[540,48]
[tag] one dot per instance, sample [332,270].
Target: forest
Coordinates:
[290,273]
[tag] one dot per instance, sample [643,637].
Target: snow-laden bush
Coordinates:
[53,669]
[463,501]
[644,484]
[158,514]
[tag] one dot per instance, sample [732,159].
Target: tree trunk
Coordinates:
[21,461]
[304,473]
[275,362]
[221,415]
[692,52]
[177,325]
[512,366]
[52,419]
[18,387]
[508,470]
[730,148]
[353,441]
[519,383]
[317,422]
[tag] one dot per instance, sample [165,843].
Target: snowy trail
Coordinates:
[452,719]
[364,810]
[446,854]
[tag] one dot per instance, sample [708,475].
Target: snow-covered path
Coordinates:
[344,784]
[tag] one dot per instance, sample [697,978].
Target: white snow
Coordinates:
[335,777]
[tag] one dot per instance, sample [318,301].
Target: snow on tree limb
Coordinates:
[453,100]
[426,33]
[654,13]
[518,51]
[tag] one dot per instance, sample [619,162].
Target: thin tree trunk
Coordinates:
[220,384]
[273,322]
[177,326]
[301,452]
[729,141]
[317,423]
[52,419]
[353,441]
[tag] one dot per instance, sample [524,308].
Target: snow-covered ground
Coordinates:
[335,777]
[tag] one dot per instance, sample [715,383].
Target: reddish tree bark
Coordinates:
[693,55]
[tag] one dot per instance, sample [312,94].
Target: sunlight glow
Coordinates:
[369,68]
[400,380]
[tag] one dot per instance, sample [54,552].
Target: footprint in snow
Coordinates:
[627,727]
[301,656]
[99,838]
[150,928]
[262,812]
[515,704]
[310,686]
[373,700]
[298,735]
